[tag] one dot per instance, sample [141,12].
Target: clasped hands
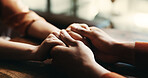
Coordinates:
[100,42]
[70,49]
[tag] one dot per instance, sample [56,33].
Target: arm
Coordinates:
[24,52]
[20,18]
[41,29]
[15,51]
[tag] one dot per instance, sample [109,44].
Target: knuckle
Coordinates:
[51,35]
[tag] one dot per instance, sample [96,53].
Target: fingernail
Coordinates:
[68,29]
[80,28]
[85,26]
[74,27]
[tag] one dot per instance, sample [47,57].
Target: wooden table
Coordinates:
[41,70]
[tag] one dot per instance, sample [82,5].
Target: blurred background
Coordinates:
[130,15]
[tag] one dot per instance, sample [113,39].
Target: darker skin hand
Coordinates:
[102,44]
[76,59]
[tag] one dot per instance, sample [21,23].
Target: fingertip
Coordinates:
[68,29]
[74,27]
[79,30]
[75,24]
[85,26]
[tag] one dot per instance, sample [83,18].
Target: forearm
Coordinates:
[16,51]
[25,21]
[41,29]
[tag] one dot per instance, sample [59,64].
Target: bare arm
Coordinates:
[24,52]
[25,21]
[15,51]
[41,29]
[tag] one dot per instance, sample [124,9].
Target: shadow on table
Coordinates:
[28,70]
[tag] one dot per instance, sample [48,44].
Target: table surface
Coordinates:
[42,70]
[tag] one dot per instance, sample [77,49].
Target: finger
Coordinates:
[98,31]
[82,31]
[95,29]
[51,36]
[47,44]
[51,41]
[85,26]
[66,38]
[57,34]
[74,35]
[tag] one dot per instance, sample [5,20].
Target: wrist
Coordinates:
[33,55]
[125,51]
[93,70]
[99,70]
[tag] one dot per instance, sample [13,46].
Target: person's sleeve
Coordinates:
[17,15]
[141,54]
[112,75]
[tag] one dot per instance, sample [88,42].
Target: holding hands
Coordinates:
[76,58]
[105,48]
[69,51]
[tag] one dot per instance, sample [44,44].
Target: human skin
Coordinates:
[106,48]
[39,29]
[75,58]
[16,51]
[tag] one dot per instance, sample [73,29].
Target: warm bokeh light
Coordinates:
[129,15]
[141,20]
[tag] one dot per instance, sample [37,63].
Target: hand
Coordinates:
[76,58]
[75,35]
[42,52]
[73,55]
[107,49]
